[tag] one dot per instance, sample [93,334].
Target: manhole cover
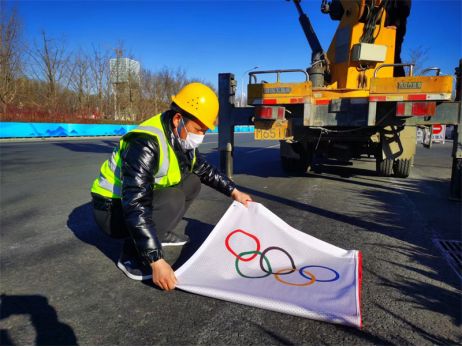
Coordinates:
[452,251]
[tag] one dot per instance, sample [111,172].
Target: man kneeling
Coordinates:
[152,177]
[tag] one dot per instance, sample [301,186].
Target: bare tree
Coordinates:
[148,102]
[10,55]
[134,92]
[79,81]
[157,88]
[54,81]
[201,80]
[167,83]
[51,65]
[418,56]
[99,65]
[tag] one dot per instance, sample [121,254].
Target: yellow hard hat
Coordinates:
[200,101]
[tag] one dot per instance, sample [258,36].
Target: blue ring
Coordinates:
[337,275]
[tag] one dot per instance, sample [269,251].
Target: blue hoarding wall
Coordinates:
[16,129]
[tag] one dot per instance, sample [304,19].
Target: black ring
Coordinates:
[279,249]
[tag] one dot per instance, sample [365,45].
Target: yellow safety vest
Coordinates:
[109,183]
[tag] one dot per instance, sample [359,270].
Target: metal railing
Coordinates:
[411,68]
[277,72]
[435,68]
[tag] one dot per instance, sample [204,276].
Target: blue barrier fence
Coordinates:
[20,130]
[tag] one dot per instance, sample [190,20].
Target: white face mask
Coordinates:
[191,141]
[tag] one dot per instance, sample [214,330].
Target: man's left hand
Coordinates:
[241,197]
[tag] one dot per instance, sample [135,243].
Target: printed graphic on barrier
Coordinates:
[18,130]
[253,257]
[31,130]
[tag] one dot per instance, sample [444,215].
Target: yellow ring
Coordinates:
[313,279]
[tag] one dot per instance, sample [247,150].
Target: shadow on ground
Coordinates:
[84,227]
[49,330]
[391,215]
[424,258]
[82,224]
[88,147]
[261,162]
[341,169]
[264,163]
[393,218]
[198,233]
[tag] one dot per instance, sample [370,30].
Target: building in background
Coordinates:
[125,83]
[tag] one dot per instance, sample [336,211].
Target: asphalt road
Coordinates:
[59,283]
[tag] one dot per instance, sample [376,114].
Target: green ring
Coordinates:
[253,252]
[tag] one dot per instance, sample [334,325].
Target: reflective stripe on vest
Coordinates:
[163,166]
[113,164]
[104,183]
[109,181]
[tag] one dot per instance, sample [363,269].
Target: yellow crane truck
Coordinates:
[349,104]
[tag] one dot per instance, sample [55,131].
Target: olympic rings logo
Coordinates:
[266,267]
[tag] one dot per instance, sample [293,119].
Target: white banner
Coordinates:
[253,257]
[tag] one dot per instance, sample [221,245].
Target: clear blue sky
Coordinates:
[208,37]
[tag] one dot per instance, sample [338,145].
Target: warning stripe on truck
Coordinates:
[411,97]
[284,100]
[371,98]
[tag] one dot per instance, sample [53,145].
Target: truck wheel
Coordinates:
[291,165]
[402,167]
[295,158]
[384,167]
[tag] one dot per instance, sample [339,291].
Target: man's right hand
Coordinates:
[163,275]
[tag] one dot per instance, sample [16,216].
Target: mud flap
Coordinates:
[398,144]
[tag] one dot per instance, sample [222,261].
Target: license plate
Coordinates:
[276,130]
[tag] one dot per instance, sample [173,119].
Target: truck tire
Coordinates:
[402,167]
[295,158]
[291,165]
[384,167]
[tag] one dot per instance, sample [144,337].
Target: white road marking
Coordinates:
[262,149]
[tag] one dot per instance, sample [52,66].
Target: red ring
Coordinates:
[237,255]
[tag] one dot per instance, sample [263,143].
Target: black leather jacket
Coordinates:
[140,161]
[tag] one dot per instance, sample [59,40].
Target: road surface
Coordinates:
[60,285]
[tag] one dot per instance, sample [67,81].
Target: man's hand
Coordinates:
[241,197]
[163,275]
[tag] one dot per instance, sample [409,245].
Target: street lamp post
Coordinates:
[242,84]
